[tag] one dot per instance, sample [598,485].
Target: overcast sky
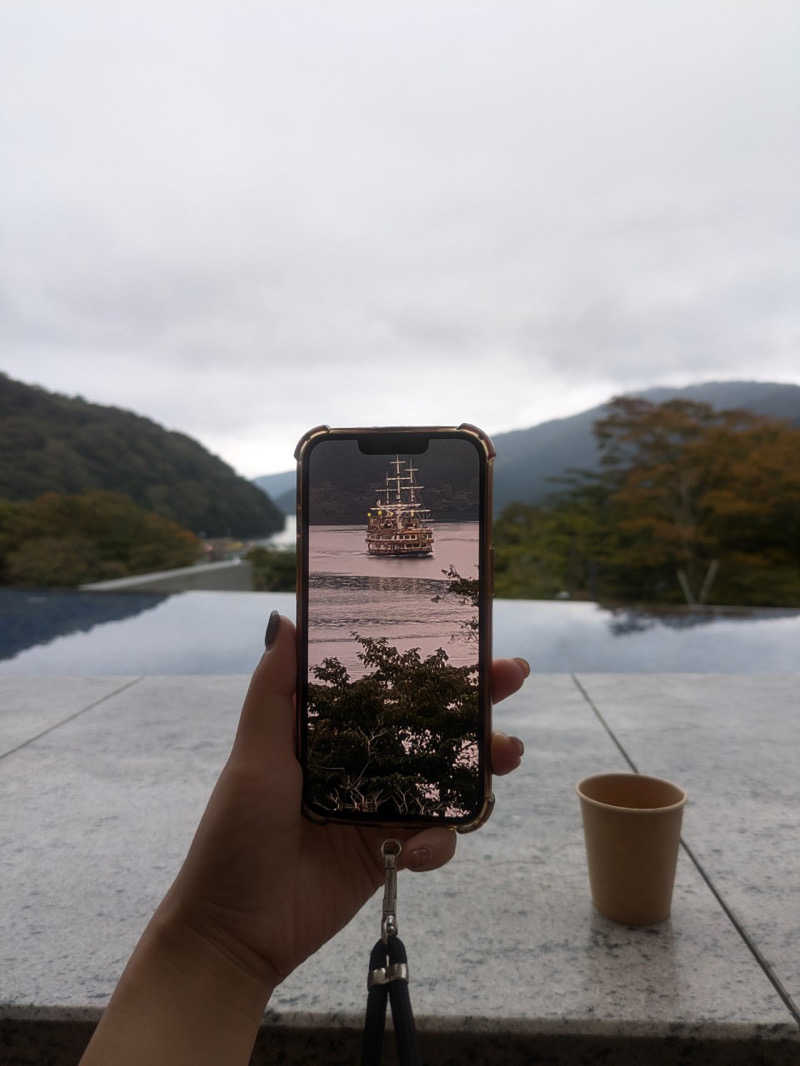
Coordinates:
[245,219]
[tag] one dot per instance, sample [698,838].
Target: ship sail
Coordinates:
[399,524]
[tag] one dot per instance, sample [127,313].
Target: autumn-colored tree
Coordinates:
[753,511]
[656,479]
[67,540]
[690,504]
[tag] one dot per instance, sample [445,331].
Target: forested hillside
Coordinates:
[529,459]
[54,443]
[69,539]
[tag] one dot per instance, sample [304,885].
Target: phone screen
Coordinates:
[392,723]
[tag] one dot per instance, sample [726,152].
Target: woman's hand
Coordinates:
[262,882]
[260,890]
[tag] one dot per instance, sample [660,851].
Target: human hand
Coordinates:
[260,890]
[265,885]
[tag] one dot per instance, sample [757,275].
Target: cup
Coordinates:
[632,826]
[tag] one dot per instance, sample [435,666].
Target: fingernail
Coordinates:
[526,666]
[419,857]
[273,625]
[518,744]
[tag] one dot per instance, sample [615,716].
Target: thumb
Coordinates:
[267,722]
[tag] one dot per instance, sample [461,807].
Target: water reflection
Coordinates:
[626,620]
[31,617]
[567,637]
[95,633]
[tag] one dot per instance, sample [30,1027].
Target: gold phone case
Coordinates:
[485,555]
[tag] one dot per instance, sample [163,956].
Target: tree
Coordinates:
[467,591]
[688,502]
[697,493]
[656,481]
[753,511]
[68,540]
[274,569]
[401,740]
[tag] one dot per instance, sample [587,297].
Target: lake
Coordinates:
[91,633]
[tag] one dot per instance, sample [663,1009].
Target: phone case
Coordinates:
[403,434]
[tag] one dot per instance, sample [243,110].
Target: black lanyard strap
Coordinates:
[388,979]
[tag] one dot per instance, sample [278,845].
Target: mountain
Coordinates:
[55,443]
[528,458]
[277,485]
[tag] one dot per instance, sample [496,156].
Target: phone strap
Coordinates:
[388,978]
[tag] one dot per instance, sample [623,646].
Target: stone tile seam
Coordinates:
[71,717]
[730,914]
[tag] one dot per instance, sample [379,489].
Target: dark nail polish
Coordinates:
[273,625]
[526,666]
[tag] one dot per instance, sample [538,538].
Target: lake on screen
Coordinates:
[353,594]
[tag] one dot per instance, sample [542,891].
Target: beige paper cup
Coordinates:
[632,825]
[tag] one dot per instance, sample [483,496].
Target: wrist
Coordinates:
[228,968]
[183,1000]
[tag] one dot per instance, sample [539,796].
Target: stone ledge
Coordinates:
[57,1037]
[229,575]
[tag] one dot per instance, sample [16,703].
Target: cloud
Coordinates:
[242,221]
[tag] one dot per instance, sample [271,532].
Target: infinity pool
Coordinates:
[89,633]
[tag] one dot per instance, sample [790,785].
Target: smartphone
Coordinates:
[394,625]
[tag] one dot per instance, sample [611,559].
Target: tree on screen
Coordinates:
[400,740]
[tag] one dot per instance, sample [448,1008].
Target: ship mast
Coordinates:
[400,491]
[397,479]
[412,488]
[400,526]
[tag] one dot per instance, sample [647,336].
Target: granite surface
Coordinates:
[732,742]
[95,818]
[97,813]
[29,708]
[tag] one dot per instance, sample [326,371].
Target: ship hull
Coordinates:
[394,545]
